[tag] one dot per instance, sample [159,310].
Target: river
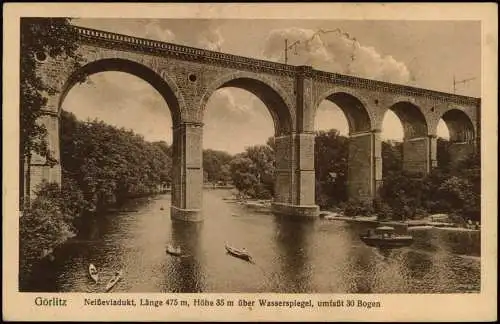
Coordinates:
[290,256]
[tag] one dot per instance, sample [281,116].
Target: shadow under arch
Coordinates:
[164,85]
[353,108]
[459,126]
[271,94]
[417,158]
[462,143]
[412,118]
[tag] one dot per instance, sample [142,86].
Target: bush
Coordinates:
[420,213]
[382,210]
[43,226]
[357,208]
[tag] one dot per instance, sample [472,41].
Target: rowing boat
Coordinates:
[93,272]
[239,253]
[385,237]
[174,250]
[112,282]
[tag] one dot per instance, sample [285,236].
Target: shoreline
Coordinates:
[411,225]
[264,205]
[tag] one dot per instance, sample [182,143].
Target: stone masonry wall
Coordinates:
[416,155]
[360,165]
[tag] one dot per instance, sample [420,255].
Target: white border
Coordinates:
[395,307]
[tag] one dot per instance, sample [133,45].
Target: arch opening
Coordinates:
[268,94]
[412,119]
[392,137]
[354,111]
[164,87]
[238,143]
[415,151]
[459,126]
[460,143]
[342,150]
[115,139]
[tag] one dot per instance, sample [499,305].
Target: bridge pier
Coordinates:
[420,154]
[295,176]
[365,165]
[187,172]
[459,151]
[37,170]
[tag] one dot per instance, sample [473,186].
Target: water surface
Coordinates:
[290,256]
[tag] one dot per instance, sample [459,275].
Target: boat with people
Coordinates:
[112,282]
[239,253]
[386,237]
[174,250]
[93,272]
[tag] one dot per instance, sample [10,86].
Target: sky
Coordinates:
[426,54]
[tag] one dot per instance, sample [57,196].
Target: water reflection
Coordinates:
[293,248]
[186,274]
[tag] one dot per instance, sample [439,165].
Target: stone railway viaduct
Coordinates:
[186,77]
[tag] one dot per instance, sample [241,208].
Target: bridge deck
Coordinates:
[126,42]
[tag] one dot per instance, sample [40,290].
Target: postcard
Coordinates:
[250,162]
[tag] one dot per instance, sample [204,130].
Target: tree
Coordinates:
[40,37]
[391,157]
[443,154]
[226,173]
[110,165]
[243,175]
[42,227]
[252,171]
[331,154]
[213,161]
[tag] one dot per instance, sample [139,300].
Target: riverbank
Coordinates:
[426,223]
[261,204]
[436,221]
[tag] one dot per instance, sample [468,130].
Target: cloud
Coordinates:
[211,39]
[334,51]
[235,119]
[232,104]
[154,30]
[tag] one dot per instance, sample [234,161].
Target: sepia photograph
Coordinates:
[226,155]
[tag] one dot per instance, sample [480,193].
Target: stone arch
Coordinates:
[162,83]
[269,92]
[460,126]
[354,108]
[412,118]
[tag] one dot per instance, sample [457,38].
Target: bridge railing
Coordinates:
[394,87]
[198,53]
[95,34]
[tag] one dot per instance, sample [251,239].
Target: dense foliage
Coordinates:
[455,190]
[392,157]
[110,165]
[216,166]
[47,223]
[331,153]
[446,190]
[102,166]
[252,172]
